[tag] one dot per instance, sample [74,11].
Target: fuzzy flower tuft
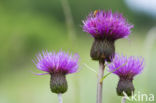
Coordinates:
[128,66]
[61,62]
[107,24]
[57,65]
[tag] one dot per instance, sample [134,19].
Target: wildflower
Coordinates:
[133,66]
[58,65]
[105,27]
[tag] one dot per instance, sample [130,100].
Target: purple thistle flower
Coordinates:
[107,24]
[105,27]
[126,68]
[133,66]
[57,65]
[52,62]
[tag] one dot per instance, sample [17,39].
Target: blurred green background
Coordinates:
[30,26]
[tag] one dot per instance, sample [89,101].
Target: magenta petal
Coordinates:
[129,66]
[106,24]
[52,62]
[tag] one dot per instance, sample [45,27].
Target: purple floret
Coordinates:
[61,62]
[129,66]
[107,24]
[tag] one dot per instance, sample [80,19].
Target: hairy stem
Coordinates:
[99,82]
[60,98]
[123,100]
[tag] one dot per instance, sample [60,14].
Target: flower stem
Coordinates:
[99,82]
[60,98]
[123,100]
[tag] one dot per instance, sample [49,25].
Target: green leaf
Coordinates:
[112,72]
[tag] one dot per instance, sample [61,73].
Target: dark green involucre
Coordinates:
[58,83]
[102,49]
[126,86]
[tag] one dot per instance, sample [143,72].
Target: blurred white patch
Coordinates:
[149,44]
[144,6]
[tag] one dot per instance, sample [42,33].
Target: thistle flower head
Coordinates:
[105,27]
[126,68]
[60,62]
[57,65]
[105,24]
[133,66]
